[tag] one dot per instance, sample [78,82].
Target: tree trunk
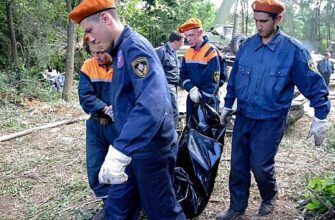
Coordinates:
[69,55]
[26,51]
[9,10]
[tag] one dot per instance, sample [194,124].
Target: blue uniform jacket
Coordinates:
[94,87]
[263,78]
[170,62]
[325,66]
[140,98]
[201,68]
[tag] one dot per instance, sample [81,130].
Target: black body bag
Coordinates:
[200,148]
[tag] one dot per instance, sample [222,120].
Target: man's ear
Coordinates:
[105,17]
[279,18]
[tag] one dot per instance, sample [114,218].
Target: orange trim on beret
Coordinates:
[272,6]
[191,23]
[89,7]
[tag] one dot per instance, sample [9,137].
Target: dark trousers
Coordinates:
[149,186]
[254,147]
[98,139]
[326,77]
[174,101]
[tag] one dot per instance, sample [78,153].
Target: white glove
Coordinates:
[195,95]
[318,129]
[110,112]
[224,114]
[112,170]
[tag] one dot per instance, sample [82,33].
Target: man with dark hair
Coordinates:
[267,67]
[171,64]
[326,68]
[140,162]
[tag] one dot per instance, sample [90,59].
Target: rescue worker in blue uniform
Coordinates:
[171,65]
[140,162]
[267,67]
[200,72]
[94,90]
[326,68]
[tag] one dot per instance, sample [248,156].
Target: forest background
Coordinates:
[34,34]
[44,172]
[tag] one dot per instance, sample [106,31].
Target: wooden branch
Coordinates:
[51,125]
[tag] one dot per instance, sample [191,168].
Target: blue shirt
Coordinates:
[170,63]
[263,78]
[325,66]
[140,98]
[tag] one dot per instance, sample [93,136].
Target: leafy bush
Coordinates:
[31,84]
[321,197]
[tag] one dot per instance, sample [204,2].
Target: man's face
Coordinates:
[97,52]
[265,24]
[193,36]
[97,32]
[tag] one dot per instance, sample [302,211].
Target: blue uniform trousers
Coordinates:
[254,147]
[190,105]
[174,98]
[149,186]
[98,139]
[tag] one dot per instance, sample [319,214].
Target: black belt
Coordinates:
[102,121]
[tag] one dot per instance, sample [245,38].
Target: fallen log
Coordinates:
[51,125]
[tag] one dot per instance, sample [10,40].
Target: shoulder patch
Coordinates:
[311,65]
[140,66]
[216,76]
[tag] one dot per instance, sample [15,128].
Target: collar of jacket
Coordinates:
[202,44]
[169,49]
[126,31]
[273,42]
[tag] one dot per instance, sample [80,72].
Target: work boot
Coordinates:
[229,215]
[267,206]
[100,215]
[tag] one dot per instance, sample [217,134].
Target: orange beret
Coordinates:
[191,23]
[89,7]
[272,6]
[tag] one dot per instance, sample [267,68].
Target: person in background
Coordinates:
[326,68]
[200,71]
[140,162]
[94,90]
[267,67]
[171,65]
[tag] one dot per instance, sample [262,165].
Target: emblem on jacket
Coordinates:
[311,65]
[140,66]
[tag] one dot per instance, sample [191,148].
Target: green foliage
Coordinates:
[321,192]
[33,86]
[157,19]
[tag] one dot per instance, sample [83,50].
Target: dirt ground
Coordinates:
[43,174]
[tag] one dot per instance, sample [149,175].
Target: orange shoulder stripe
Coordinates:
[96,73]
[199,56]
